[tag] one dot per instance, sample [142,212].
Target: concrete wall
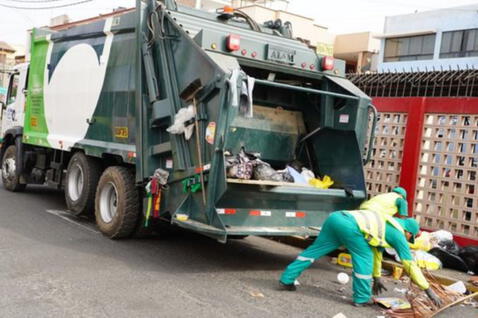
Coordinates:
[439,21]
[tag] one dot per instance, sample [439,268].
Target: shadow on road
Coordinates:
[179,252]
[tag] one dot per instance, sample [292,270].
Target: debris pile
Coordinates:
[249,166]
[422,306]
[434,250]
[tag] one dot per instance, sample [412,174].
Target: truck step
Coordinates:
[160,149]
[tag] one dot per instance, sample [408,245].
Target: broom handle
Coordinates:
[454,303]
[198,145]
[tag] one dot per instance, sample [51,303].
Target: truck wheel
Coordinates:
[117,203]
[11,181]
[81,180]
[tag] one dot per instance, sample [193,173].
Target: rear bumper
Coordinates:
[269,231]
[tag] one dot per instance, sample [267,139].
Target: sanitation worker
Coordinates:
[389,203]
[364,233]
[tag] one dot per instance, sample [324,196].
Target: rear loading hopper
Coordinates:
[276,111]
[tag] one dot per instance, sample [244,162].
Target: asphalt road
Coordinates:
[55,266]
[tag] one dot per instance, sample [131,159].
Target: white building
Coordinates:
[430,40]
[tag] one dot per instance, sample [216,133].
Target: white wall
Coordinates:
[449,19]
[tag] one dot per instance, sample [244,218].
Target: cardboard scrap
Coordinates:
[393,302]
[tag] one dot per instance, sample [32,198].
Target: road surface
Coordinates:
[52,265]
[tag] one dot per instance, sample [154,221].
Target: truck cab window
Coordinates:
[12,89]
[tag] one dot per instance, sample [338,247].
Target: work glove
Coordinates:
[433,297]
[378,287]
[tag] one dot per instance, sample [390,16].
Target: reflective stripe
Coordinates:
[367,223]
[305,259]
[362,276]
[380,224]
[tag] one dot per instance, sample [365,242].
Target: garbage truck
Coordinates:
[140,116]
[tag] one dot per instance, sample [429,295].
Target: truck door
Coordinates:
[13,111]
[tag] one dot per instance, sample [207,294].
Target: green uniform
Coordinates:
[342,229]
[387,203]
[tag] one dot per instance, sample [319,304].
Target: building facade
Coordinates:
[444,39]
[359,50]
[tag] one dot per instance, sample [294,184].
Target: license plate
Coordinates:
[281,55]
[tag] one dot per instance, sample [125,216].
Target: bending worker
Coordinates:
[389,203]
[365,234]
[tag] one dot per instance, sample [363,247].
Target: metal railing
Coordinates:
[436,83]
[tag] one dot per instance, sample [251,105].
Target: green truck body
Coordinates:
[99,97]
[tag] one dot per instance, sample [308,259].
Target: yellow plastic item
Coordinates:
[345,260]
[397,272]
[423,242]
[427,261]
[428,265]
[323,183]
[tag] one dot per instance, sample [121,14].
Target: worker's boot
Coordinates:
[288,287]
[368,303]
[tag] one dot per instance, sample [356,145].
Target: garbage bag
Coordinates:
[450,246]
[162,176]
[442,235]
[263,171]
[307,174]
[182,117]
[240,167]
[296,164]
[469,255]
[449,260]
[296,176]
[286,175]
[323,183]
[424,260]
[425,242]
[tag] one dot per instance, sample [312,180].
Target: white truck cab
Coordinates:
[13,110]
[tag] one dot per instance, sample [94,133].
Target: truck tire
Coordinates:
[82,178]
[117,203]
[10,179]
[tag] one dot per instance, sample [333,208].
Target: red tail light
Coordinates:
[233,42]
[327,63]
[229,211]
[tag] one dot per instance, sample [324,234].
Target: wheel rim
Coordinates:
[108,202]
[76,181]
[9,168]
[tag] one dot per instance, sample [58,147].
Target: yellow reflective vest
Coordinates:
[373,224]
[383,203]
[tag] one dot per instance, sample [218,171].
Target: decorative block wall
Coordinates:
[382,173]
[447,178]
